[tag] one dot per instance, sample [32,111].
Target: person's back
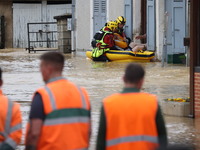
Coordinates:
[104,34]
[64,119]
[106,43]
[107,39]
[10,122]
[131,119]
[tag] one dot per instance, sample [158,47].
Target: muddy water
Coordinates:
[22,77]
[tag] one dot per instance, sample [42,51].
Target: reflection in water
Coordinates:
[22,77]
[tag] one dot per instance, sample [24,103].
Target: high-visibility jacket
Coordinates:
[67,122]
[98,51]
[130,121]
[10,122]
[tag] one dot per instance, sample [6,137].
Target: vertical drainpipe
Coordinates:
[143,19]
[187,30]
[193,51]
[91,19]
[73,26]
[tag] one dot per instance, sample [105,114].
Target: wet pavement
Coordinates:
[22,77]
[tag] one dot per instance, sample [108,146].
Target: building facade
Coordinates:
[165,22]
[18,13]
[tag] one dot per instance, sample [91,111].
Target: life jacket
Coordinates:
[119,41]
[10,122]
[67,122]
[97,37]
[120,31]
[101,49]
[130,121]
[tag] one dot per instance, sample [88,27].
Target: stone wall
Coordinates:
[197,94]
[179,109]
[64,35]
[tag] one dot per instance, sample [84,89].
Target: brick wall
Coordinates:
[197,94]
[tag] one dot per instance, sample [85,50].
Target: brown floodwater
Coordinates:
[22,77]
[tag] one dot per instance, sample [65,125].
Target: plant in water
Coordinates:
[178,99]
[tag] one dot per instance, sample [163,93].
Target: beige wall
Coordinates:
[115,8]
[136,17]
[6,11]
[160,23]
[84,20]
[83,27]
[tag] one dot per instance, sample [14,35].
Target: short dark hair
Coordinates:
[134,73]
[56,58]
[0,74]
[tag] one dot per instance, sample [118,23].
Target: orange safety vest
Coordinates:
[67,122]
[130,121]
[10,122]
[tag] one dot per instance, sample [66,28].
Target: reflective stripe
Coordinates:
[52,99]
[8,117]
[16,127]
[1,133]
[8,128]
[144,138]
[68,120]
[55,79]
[4,134]
[81,149]
[82,98]
[11,142]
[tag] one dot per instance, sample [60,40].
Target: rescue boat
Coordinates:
[118,55]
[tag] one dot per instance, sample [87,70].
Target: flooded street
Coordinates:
[22,77]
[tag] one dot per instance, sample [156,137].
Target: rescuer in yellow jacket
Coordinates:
[10,122]
[131,120]
[60,111]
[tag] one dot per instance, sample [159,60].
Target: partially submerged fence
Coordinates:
[42,36]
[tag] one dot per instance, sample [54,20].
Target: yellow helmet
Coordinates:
[121,20]
[111,25]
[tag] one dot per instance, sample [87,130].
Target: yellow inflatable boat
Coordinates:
[118,55]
